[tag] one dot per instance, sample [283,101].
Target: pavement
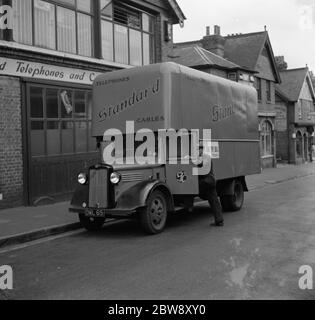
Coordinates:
[24,224]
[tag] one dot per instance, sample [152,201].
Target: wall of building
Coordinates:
[264,105]
[13,188]
[11,151]
[219,73]
[281,127]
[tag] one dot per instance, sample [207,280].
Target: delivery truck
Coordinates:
[162,99]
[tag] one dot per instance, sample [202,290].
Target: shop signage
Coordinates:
[26,69]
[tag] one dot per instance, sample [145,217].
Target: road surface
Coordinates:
[256,255]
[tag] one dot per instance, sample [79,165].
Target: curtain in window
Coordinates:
[84,5]
[22,24]
[107,40]
[44,16]
[84,35]
[135,48]
[121,44]
[66,30]
[146,49]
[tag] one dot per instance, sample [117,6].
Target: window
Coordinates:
[232,76]
[60,121]
[305,109]
[127,34]
[266,139]
[63,25]
[258,88]
[268,90]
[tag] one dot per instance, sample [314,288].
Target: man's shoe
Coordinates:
[217,224]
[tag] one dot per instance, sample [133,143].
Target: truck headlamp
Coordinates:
[115,178]
[82,178]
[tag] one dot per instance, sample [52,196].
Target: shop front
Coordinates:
[55,104]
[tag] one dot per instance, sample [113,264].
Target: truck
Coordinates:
[131,104]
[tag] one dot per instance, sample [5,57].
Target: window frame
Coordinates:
[150,33]
[266,135]
[60,119]
[268,91]
[76,11]
[259,88]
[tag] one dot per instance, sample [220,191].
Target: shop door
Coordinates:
[59,140]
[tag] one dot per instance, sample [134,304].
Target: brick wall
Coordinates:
[11,158]
[282,130]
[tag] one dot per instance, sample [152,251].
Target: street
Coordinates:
[256,255]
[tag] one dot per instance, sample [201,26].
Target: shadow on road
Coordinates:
[132,228]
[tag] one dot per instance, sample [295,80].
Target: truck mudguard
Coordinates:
[136,196]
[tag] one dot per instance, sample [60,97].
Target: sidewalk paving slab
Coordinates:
[24,224]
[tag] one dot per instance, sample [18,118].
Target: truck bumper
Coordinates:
[105,213]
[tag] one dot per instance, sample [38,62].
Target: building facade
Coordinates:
[253,55]
[295,121]
[48,62]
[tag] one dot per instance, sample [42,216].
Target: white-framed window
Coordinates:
[266,139]
[127,34]
[63,25]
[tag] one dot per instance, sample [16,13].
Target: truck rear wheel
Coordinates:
[154,216]
[91,224]
[234,202]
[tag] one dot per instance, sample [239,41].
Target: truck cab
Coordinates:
[149,123]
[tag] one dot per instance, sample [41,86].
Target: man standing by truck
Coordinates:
[208,188]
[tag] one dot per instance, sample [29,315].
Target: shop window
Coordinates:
[60,121]
[266,137]
[52,108]
[81,132]
[66,97]
[63,25]
[38,138]
[80,104]
[37,104]
[67,137]
[127,34]
[53,138]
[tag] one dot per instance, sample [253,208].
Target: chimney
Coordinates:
[217,30]
[208,31]
[214,43]
[281,64]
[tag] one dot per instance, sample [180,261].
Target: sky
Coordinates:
[290,24]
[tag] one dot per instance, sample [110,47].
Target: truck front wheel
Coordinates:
[154,216]
[91,224]
[234,202]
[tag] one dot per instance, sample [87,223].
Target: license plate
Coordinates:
[95,213]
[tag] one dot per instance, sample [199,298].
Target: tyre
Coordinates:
[91,224]
[154,216]
[234,202]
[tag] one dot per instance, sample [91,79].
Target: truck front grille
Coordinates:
[98,188]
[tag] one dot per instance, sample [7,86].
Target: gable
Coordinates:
[170,6]
[264,66]
[253,51]
[306,92]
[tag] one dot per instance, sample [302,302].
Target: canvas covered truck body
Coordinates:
[168,96]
